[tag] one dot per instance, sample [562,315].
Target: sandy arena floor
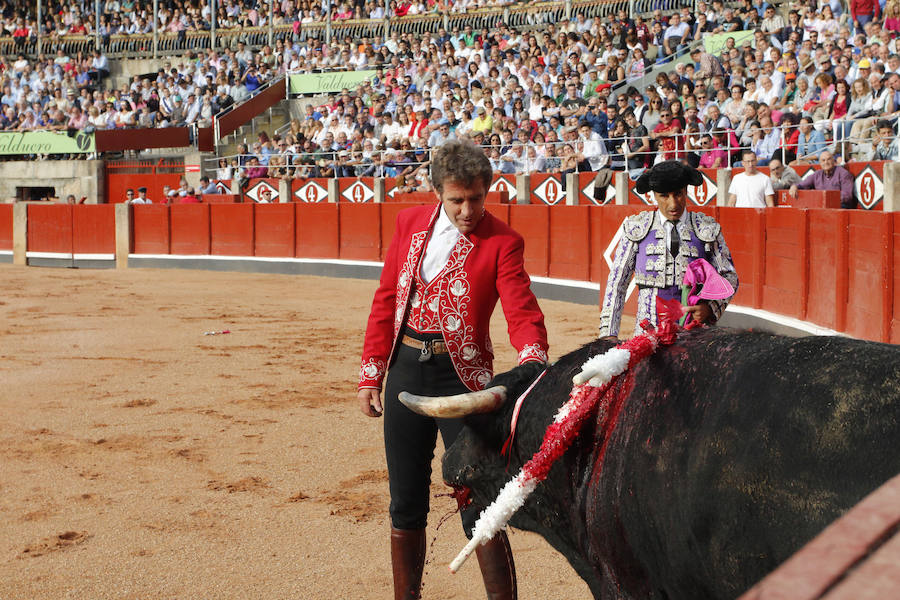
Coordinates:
[140,458]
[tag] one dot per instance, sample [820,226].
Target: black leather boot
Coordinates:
[498,568]
[408,560]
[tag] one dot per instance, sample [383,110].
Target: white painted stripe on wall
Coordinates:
[64,255]
[782,320]
[69,256]
[273,259]
[103,256]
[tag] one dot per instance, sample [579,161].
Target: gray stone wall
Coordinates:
[82,178]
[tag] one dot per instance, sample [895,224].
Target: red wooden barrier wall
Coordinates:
[894,254]
[274,230]
[6,226]
[828,261]
[360,232]
[786,282]
[317,230]
[835,268]
[94,229]
[189,228]
[745,234]
[50,228]
[533,223]
[231,229]
[869,275]
[570,243]
[151,233]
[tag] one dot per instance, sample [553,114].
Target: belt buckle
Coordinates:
[426,353]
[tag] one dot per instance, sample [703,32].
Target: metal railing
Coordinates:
[578,145]
[523,15]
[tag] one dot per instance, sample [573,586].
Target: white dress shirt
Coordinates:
[443,238]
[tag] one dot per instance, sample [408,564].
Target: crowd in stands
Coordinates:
[566,97]
[125,17]
[563,99]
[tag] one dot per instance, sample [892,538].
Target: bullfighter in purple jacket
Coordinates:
[658,258]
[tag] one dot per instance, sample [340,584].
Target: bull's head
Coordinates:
[474,460]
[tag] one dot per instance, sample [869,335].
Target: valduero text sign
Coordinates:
[46,142]
[335,81]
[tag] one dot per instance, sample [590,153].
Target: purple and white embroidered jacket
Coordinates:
[644,253]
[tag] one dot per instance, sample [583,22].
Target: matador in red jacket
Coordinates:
[428,330]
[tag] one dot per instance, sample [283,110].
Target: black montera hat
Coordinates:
[668,176]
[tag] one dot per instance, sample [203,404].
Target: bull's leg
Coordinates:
[497,568]
[408,560]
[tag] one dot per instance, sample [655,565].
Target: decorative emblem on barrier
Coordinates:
[312,192]
[588,193]
[550,190]
[505,184]
[704,193]
[869,188]
[255,191]
[358,192]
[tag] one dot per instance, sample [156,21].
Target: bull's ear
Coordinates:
[493,428]
[517,380]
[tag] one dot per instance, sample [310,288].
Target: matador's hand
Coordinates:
[370,402]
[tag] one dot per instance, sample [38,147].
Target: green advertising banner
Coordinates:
[46,142]
[715,43]
[327,83]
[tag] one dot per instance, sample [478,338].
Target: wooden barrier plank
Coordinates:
[360,231]
[317,230]
[389,212]
[868,313]
[6,226]
[50,228]
[274,230]
[895,266]
[231,229]
[533,223]
[786,282]
[828,267]
[151,233]
[744,230]
[569,256]
[221,198]
[412,198]
[501,211]
[829,564]
[94,229]
[189,228]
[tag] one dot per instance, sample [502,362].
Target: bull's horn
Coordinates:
[452,407]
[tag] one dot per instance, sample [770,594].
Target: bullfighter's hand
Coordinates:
[701,312]
[370,402]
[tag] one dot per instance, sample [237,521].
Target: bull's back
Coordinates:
[735,448]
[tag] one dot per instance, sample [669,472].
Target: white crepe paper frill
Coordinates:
[497,515]
[596,371]
[599,369]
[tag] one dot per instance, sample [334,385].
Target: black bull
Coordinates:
[731,450]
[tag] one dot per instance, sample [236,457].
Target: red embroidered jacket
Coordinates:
[484,266]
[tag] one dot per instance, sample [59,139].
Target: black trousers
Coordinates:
[410,439]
